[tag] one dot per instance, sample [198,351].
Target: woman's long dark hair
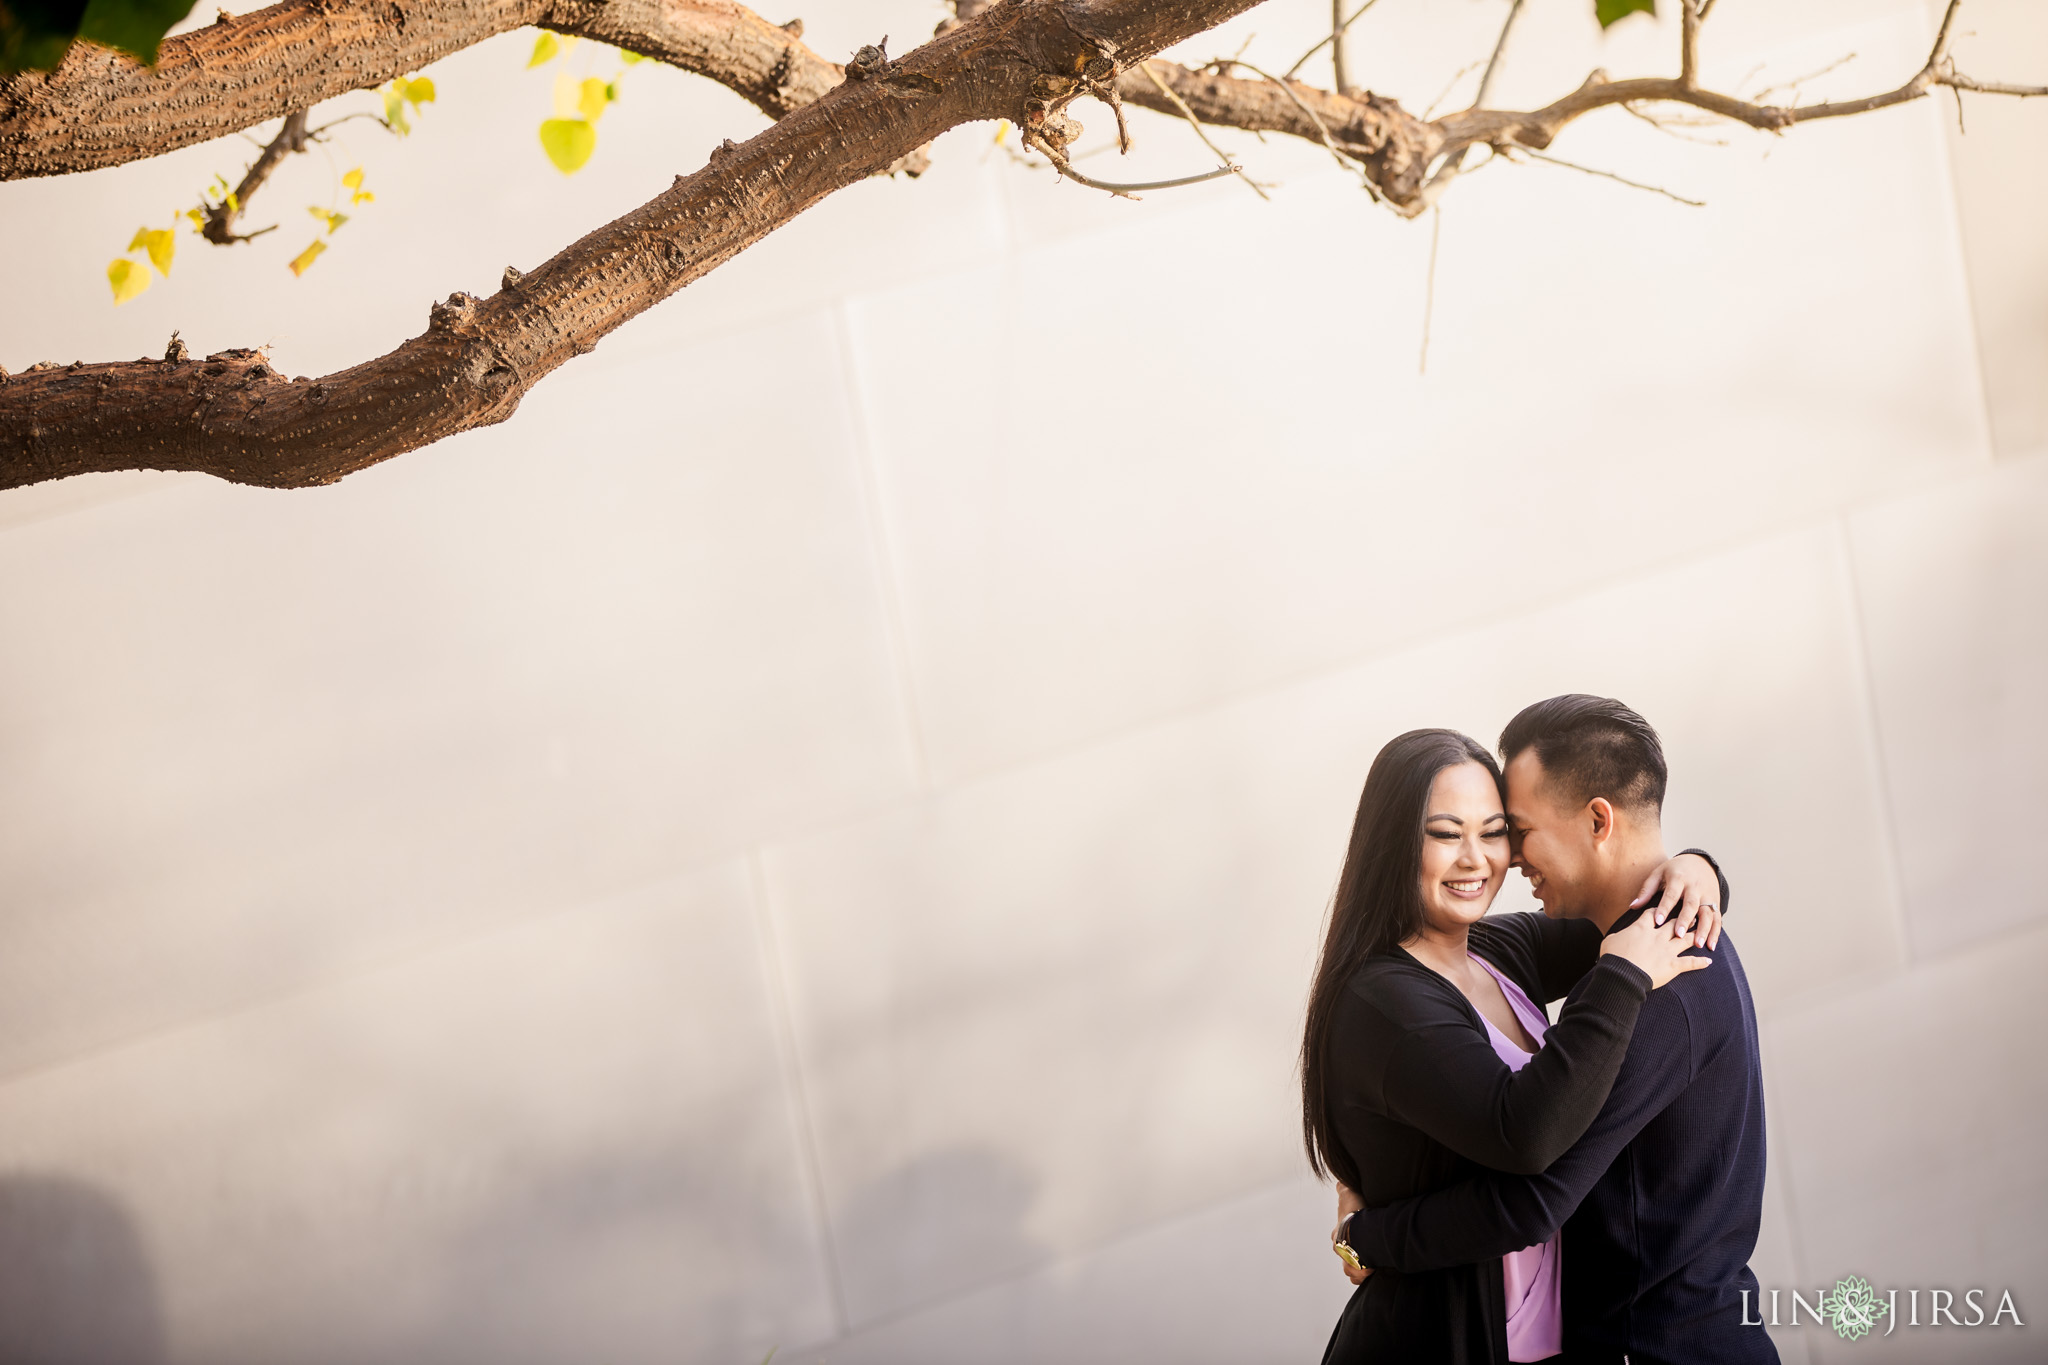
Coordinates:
[1378,906]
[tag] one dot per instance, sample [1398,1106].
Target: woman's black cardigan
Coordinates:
[1419,1099]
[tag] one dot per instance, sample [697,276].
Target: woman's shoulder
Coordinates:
[1396,985]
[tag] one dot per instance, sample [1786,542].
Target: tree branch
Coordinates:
[219,227]
[1539,127]
[99,108]
[1394,146]
[233,416]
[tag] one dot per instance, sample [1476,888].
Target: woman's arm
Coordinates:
[1693,888]
[1442,1075]
[1493,1213]
[1444,1078]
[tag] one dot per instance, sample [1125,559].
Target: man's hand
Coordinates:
[1348,1203]
[1690,891]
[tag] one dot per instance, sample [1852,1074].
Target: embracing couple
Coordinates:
[1510,1189]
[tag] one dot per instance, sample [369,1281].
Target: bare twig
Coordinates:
[1429,110]
[1670,126]
[1548,159]
[1500,46]
[315,134]
[219,227]
[1128,191]
[1794,84]
[1340,80]
[1537,128]
[1456,161]
[1322,129]
[1959,82]
[1332,36]
[1196,124]
[1689,43]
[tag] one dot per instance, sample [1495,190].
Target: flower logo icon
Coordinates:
[1853,1308]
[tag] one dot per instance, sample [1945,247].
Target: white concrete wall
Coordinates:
[813,834]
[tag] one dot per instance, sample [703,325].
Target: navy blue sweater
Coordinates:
[1659,1201]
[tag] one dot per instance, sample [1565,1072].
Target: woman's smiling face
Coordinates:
[1464,846]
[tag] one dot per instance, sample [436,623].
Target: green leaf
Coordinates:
[1608,11]
[420,90]
[631,58]
[328,216]
[544,49]
[568,142]
[128,279]
[394,107]
[35,34]
[136,27]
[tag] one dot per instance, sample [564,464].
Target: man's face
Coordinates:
[1552,841]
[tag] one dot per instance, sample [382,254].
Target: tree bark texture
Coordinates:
[100,108]
[232,415]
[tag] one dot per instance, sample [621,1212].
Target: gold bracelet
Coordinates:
[1344,1250]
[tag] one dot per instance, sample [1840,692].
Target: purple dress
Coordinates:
[1535,1305]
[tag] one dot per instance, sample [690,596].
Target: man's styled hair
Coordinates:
[1591,746]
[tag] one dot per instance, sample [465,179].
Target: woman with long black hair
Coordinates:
[1426,1050]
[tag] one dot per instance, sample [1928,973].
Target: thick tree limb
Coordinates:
[102,109]
[1018,59]
[1394,146]
[233,416]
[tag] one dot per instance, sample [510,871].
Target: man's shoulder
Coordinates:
[1718,996]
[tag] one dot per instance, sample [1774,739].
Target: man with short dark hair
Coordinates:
[1661,1199]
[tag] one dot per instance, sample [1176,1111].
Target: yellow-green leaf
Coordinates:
[1002,129]
[162,244]
[394,107]
[568,142]
[630,58]
[591,99]
[353,183]
[328,216]
[139,240]
[128,278]
[544,49]
[234,202]
[198,218]
[307,257]
[420,90]
[1609,11]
